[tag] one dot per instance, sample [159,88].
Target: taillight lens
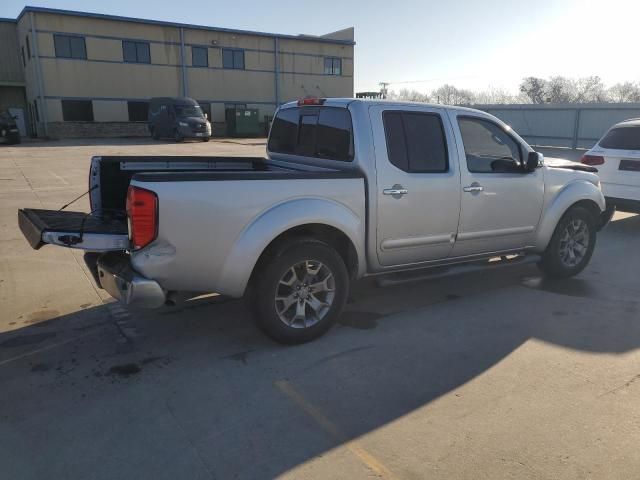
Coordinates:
[142,211]
[592,160]
[311,101]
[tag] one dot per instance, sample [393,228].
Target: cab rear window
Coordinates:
[320,132]
[622,138]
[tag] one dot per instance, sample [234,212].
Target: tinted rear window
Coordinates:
[622,138]
[322,132]
[416,142]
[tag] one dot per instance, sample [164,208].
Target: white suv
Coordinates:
[617,156]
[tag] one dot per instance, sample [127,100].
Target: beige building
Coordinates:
[86,74]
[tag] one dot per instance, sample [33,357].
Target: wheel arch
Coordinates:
[320,219]
[579,193]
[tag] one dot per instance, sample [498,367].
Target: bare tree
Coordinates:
[498,96]
[590,90]
[450,95]
[625,92]
[560,90]
[409,96]
[534,89]
[557,89]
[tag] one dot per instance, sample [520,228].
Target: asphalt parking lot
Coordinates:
[500,374]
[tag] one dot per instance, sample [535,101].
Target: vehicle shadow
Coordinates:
[199,385]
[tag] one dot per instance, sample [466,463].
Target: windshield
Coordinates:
[188,111]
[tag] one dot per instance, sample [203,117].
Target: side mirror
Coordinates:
[534,160]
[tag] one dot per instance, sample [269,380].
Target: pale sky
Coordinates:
[471,44]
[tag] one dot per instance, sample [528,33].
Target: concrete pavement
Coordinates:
[499,374]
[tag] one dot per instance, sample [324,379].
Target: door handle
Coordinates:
[473,188]
[395,191]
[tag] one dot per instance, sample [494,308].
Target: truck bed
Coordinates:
[105,227]
[114,173]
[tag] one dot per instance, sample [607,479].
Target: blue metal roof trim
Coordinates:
[9,20]
[118,18]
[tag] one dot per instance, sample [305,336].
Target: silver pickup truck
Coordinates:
[349,188]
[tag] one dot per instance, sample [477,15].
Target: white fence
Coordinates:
[573,126]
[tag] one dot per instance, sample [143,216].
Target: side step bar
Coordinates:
[430,273]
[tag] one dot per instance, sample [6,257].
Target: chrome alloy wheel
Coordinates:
[304,294]
[574,243]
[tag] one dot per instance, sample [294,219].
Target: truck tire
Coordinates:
[154,134]
[177,136]
[300,291]
[571,245]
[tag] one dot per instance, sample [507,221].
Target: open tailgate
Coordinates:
[74,229]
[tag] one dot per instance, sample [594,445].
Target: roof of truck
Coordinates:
[345,102]
[630,122]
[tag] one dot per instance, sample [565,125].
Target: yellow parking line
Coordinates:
[332,429]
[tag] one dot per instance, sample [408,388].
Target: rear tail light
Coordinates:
[142,212]
[311,101]
[592,160]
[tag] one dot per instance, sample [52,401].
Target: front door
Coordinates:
[501,202]
[418,182]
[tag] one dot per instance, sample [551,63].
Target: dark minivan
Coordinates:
[9,132]
[177,118]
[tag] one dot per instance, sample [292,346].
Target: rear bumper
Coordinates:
[123,283]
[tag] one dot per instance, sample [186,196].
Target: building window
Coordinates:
[199,56]
[233,58]
[138,111]
[28,46]
[77,110]
[136,52]
[24,63]
[332,66]
[70,46]
[240,106]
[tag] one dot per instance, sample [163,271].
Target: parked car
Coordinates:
[617,157]
[349,188]
[9,132]
[178,118]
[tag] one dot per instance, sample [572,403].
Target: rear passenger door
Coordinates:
[418,184]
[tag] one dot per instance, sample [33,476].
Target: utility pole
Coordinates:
[383,89]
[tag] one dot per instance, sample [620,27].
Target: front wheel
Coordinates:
[300,291]
[205,139]
[571,245]
[177,136]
